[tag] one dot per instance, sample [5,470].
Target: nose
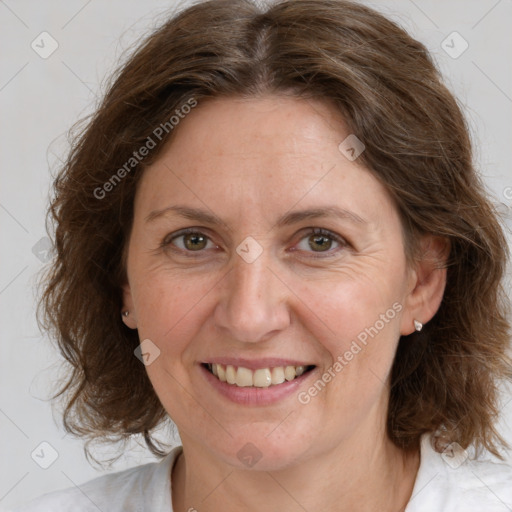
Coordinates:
[253,304]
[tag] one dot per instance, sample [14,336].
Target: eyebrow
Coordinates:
[286,220]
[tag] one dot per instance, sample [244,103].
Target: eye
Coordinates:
[315,240]
[321,241]
[188,240]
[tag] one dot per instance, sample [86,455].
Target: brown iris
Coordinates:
[321,241]
[194,241]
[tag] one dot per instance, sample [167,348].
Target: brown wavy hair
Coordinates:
[389,92]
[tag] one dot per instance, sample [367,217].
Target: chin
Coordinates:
[258,451]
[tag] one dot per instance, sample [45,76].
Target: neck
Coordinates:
[363,474]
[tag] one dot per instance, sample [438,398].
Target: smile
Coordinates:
[258,378]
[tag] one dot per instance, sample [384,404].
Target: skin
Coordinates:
[250,161]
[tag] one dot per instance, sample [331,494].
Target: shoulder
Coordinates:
[146,487]
[452,481]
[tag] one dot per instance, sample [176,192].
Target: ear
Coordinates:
[128,305]
[426,284]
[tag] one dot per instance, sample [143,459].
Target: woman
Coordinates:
[272,233]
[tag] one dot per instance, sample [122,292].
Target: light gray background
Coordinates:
[41,98]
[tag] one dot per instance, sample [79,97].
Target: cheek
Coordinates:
[169,307]
[355,319]
[357,328]
[344,309]
[170,312]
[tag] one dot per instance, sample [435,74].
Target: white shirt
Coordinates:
[443,484]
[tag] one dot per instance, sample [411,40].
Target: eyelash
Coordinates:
[167,242]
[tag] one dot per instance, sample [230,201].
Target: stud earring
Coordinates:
[125,313]
[418,325]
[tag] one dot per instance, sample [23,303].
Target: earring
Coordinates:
[125,313]
[418,325]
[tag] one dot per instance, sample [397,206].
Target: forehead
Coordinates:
[265,127]
[263,154]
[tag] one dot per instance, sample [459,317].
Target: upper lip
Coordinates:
[255,364]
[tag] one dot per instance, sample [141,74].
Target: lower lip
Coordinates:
[255,396]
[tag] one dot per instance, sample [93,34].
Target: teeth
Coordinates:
[243,377]
[261,378]
[221,373]
[289,373]
[278,375]
[230,374]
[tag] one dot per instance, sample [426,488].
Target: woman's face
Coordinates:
[296,258]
